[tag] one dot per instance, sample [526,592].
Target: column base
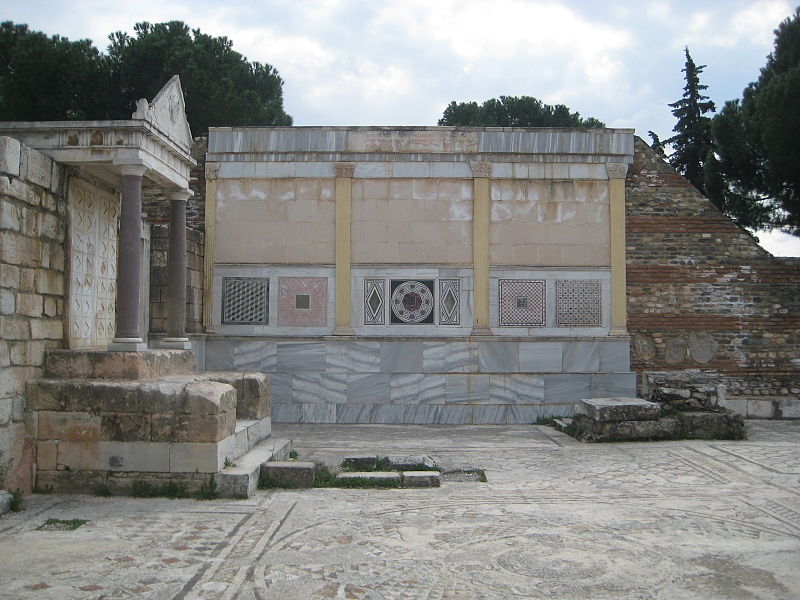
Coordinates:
[481,331]
[344,331]
[127,345]
[619,331]
[177,343]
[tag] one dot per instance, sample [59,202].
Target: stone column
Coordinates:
[212,172]
[481,208]
[176,287]
[127,336]
[616,182]
[344,189]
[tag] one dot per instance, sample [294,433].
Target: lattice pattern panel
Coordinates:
[578,303]
[374,301]
[302,301]
[449,301]
[245,301]
[93,266]
[412,302]
[522,303]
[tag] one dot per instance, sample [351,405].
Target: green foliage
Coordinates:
[61,524]
[514,111]
[207,490]
[102,490]
[51,78]
[168,489]
[16,500]
[692,139]
[756,140]
[293,455]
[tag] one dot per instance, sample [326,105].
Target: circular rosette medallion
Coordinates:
[412,302]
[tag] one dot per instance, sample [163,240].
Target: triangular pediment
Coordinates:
[167,112]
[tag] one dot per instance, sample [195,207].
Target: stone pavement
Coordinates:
[557,519]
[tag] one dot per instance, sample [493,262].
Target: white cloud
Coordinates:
[778,243]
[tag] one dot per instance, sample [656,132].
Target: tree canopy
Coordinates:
[51,78]
[756,138]
[514,111]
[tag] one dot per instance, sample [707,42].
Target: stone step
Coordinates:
[406,479]
[240,479]
[614,410]
[712,426]
[104,364]
[290,474]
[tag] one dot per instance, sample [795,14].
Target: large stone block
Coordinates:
[101,364]
[613,410]
[9,155]
[289,474]
[626,431]
[252,392]
[712,426]
[78,395]
[68,426]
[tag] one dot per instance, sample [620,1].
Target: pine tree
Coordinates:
[692,139]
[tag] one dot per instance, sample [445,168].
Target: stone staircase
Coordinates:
[102,420]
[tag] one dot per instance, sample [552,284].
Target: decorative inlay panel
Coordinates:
[93,266]
[522,303]
[578,303]
[374,301]
[412,301]
[303,301]
[245,300]
[449,302]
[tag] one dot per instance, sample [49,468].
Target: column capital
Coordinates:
[181,195]
[343,169]
[212,171]
[617,170]
[136,168]
[480,169]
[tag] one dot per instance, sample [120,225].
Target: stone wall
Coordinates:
[159,247]
[702,294]
[32,289]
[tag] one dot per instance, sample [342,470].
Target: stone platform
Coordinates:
[102,420]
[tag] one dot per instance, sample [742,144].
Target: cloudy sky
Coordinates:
[400,62]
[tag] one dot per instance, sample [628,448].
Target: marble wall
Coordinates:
[422,380]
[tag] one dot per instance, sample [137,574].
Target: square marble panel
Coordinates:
[523,414]
[417,388]
[446,357]
[281,387]
[286,413]
[420,414]
[319,388]
[467,389]
[411,301]
[578,303]
[389,414]
[455,415]
[540,357]
[219,355]
[302,301]
[353,357]
[614,385]
[245,300]
[368,388]
[353,413]
[401,357]
[581,357]
[317,413]
[301,356]
[615,357]
[374,301]
[516,389]
[256,355]
[491,414]
[567,387]
[498,357]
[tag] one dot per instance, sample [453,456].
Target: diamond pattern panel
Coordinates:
[578,303]
[374,301]
[522,303]
[293,295]
[449,301]
[245,300]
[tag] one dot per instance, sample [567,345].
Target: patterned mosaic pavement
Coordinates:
[557,519]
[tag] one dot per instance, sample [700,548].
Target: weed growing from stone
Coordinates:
[207,490]
[61,525]
[229,462]
[293,455]
[102,490]
[169,489]
[16,500]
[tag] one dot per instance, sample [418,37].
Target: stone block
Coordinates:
[379,478]
[362,463]
[79,456]
[613,410]
[421,479]
[49,282]
[289,474]
[626,431]
[134,456]
[5,502]
[69,426]
[101,364]
[125,427]
[29,305]
[252,392]
[46,456]
[212,406]
[6,410]
[39,167]
[47,329]
[78,395]
[9,155]
[73,482]
[712,426]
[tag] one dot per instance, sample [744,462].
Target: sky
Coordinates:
[400,62]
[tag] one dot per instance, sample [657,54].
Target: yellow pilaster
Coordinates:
[212,170]
[481,172]
[619,313]
[344,188]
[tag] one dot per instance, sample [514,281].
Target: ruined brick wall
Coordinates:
[159,245]
[703,295]
[32,287]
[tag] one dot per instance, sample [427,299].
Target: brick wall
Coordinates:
[32,284]
[703,295]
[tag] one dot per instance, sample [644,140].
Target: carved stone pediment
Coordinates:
[167,112]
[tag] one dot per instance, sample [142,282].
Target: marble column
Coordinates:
[176,287]
[619,312]
[481,209]
[344,190]
[127,336]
